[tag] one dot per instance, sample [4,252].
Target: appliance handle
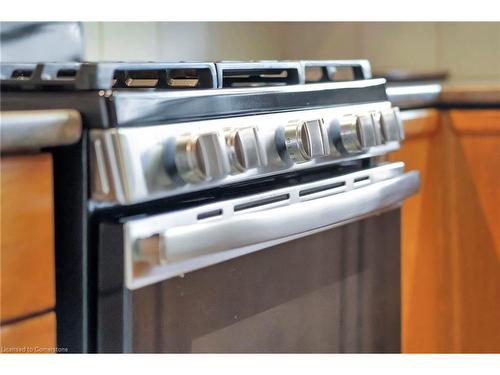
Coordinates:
[240,230]
[34,129]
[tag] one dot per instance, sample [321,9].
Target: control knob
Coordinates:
[245,151]
[201,157]
[368,134]
[358,133]
[349,134]
[305,140]
[391,125]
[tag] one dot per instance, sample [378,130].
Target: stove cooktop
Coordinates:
[178,75]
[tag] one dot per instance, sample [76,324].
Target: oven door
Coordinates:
[308,268]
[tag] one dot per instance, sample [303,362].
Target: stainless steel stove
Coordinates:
[223,207]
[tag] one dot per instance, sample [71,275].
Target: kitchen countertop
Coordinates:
[445,94]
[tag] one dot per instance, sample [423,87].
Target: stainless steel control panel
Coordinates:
[130,165]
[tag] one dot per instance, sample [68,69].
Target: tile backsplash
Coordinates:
[468,50]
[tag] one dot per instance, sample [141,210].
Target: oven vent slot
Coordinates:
[319,189]
[261,202]
[259,74]
[209,214]
[361,181]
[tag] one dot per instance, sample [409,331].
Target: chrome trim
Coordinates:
[134,154]
[187,240]
[23,131]
[414,95]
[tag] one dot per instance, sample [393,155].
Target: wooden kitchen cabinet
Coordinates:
[425,288]
[473,204]
[32,335]
[27,281]
[451,232]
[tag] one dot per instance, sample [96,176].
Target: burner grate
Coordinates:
[177,75]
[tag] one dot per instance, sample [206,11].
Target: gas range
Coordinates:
[173,128]
[184,169]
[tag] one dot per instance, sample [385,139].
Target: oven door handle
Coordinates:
[279,224]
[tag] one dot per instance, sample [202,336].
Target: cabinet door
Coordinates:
[27,241]
[27,238]
[473,206]
[450,232]
[425,288]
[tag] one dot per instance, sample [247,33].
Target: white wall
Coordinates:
[183,40]
[466,50]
